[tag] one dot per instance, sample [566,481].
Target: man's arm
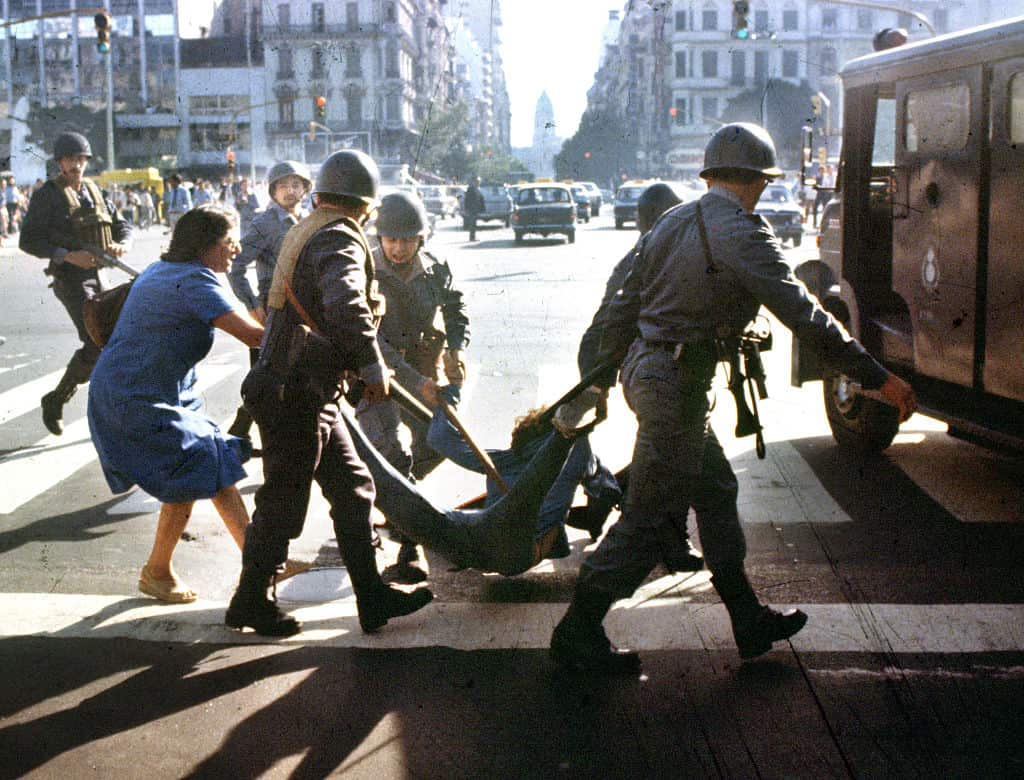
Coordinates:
[590,344]
[252,246]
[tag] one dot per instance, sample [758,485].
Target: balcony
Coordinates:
[278,31]
[289,128]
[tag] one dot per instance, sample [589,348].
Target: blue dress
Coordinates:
[144,414]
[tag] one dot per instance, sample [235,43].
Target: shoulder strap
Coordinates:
[709,265]
[294,242]
[97,198]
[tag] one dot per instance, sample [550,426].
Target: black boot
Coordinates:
[579,642]
[53,404]
[405,571]
[754,625]
[250,607]
[242,424]
[382,603]
[590,518]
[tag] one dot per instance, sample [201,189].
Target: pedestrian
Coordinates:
[472,206]
[289,183]
[201,193]
[246,204]
[321,295]
[177,200]
[417,286]
[145,415]
[12,199]
[725,263]
[824,187]
[146,216]
[68,221]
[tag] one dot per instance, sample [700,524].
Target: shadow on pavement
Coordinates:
[74,526]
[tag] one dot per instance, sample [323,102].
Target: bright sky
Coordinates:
[552,45]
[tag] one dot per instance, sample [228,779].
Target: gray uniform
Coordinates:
[260,245]
[680,301]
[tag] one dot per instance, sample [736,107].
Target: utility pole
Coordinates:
[110,99]
[248,80]
[8,59]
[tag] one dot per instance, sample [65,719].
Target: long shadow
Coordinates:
[75,526]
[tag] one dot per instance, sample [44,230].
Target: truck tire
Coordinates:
[571,235]
[860,424]
[519,236]
[797,240]
[618,224]
[508,221]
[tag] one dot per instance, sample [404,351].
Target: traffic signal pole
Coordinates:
[109,56]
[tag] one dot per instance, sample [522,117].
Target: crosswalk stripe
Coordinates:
[25,397]
[29,472]
[663,624]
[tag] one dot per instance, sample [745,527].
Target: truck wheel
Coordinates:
[618,224]
[508,221]
[797,240]
[519,236]
[571,235]
[858,423]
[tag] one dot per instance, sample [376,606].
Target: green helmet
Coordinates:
[741,146]
[401,215]
[71,144]
[288,168]
[351,173]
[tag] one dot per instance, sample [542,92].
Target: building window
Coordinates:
[680,64]
[389,12]
[709,20]
[760,67]
[319,69]
[790,64]
[829,62]
[352,16]
[284,16]
[391,61]
[354,111]
[682,111]
[709,64]
[761,21]
[285,68]
[790,21]
[212,105]
[394,108]
[286,112]
[680,21]
[353,62]
[865,20]
[226,25]
[708,109]
[318,17]
[739,68]
[830,19]
[217,137]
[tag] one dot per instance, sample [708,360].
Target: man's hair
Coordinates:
[735,175]
[528,428]
[198,230]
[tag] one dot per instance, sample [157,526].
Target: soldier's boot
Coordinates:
[376,601]
[53,404]
[405,571]
[242,424]
[592,517]
[579,642]
[252,607]
[755,626]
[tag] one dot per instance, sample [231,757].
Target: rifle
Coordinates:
[747,379]
[107,260]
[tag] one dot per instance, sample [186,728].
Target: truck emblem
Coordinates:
[930,270]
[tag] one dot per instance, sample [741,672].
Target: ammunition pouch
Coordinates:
[425,354]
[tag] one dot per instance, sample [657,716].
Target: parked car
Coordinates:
[626,198]
[582,201]
[497,204]
[786,217]
[544,209]
[439,200]
[596,198]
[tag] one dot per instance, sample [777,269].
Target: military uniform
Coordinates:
[412,347]
[58,222]
[260,245]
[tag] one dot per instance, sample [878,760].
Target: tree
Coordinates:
[786,109]
[602,149]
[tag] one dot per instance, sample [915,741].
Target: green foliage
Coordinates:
[611,143]
[787,108]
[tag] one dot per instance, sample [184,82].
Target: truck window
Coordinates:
[883,153]
[938,119]
[1017,108]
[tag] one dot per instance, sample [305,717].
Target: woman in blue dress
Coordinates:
[144,412]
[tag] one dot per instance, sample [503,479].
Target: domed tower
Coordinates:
[543,121]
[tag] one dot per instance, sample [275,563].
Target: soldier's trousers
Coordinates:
[677,463]
[305,440]
[72,286]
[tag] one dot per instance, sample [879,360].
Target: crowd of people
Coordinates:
[342,326]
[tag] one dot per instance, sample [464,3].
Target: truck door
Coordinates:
[939,123]
[1004,335]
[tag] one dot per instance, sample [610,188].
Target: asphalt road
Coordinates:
[909,566]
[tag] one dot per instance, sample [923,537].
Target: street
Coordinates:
[912,664]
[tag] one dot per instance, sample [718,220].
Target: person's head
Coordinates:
[889,38]
[528,428]
[401,225]
[476,181]
[348,181]
[741,157]
[208,234]
[72,153]
[174,180]
[289,181]
[652,203]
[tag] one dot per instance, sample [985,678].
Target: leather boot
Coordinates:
[250,607]
[579,642]
[754,626]
[377,603]
[242,424]
[53,404]
[590,518]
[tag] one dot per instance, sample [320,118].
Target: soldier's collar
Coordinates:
[717,189]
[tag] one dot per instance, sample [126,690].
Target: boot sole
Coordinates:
[289,628]
[573,663]
[746,653]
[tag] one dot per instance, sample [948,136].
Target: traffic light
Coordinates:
[231,161]
[321,106]
[740,23]
[102,21]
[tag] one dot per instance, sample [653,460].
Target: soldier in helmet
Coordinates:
[417,286]
[289,183]
[68,221]
[320,324]
[701,274]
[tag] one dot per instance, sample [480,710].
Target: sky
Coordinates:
[552,45]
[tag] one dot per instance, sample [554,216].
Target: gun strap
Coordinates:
[709,265]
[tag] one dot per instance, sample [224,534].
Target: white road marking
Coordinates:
[17,366]
[661,624]
[29,472]
[25,397]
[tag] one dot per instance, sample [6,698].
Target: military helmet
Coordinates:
[401,215]
[351,173]
[71,144]
[288,168]
[741,146]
